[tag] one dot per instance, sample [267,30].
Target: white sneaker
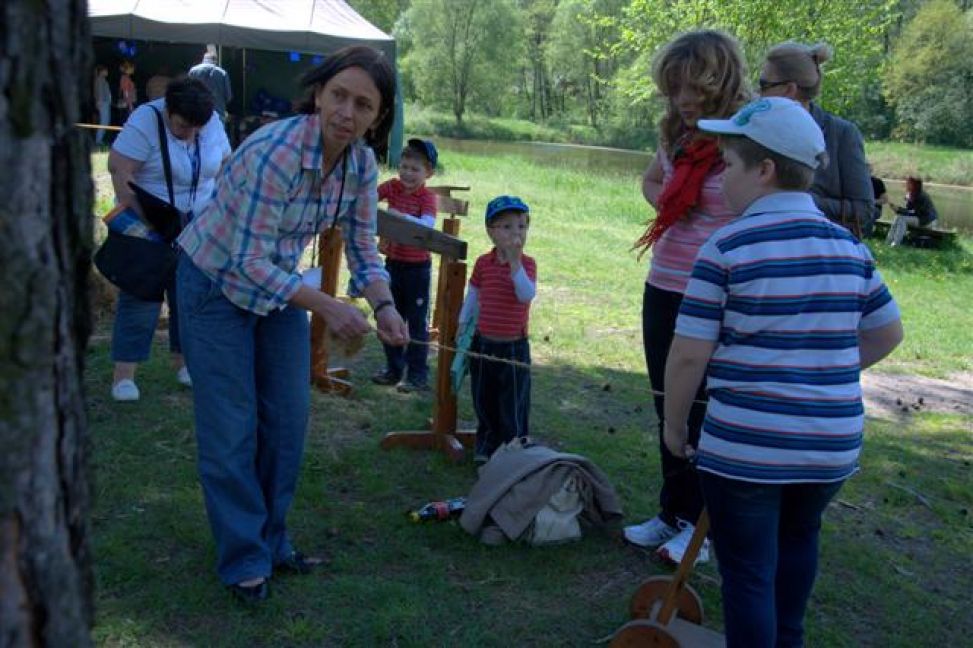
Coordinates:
[183,377]
[651,533]
[125,390]
[675,549]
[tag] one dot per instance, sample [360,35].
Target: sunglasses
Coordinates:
[765,85]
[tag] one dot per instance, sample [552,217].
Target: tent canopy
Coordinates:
[312,26]
[318,26]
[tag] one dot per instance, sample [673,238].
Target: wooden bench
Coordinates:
[928,237]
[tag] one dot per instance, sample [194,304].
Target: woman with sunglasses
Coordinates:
[842,189]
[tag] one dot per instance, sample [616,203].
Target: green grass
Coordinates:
[940,164]
[897,160]
[429,122]
[894,572]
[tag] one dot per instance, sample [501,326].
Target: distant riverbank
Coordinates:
[897,160]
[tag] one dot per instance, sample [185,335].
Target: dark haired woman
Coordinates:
[197,147]
[842,189]
[918,211]
[243,306]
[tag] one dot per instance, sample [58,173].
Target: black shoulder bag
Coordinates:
[139,266]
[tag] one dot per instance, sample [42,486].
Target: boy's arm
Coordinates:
[524,288]
[876,343]
[685,369]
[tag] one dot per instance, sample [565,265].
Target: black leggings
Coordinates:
[680,496]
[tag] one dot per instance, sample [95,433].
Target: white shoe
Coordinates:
[125,390]
[675,549]
[651,533]
[183,377]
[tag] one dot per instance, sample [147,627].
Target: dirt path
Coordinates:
[898,395]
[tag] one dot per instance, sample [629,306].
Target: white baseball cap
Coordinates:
[777,123]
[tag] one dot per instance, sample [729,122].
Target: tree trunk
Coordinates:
[45,252]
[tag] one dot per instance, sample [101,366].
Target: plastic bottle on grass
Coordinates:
[439,511]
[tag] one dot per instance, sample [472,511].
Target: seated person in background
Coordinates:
[881,199]
[918,210]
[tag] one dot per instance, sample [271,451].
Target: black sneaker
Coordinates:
[252,595]
[386,377]
[409,386]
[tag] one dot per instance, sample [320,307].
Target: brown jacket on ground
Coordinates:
[518,482]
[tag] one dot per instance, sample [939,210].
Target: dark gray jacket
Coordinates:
[844,187]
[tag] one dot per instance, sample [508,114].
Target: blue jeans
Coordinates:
[135,323]
[501,393]
[104,118]
[410,289]
[766,542]
[251,393]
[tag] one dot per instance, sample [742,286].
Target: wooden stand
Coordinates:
[326,379]
[453,207]
[443,435]
[667,611]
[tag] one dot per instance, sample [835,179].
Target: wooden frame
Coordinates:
[327,379]
[444,434]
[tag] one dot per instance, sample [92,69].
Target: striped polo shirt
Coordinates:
[783,292]
[502,315]
[674,253]
[420,202]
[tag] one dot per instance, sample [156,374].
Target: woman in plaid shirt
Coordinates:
[244,320]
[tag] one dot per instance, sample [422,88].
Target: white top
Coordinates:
[139,140]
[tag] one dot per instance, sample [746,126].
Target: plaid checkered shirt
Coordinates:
[270,201]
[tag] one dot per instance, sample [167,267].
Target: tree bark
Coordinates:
[45,252]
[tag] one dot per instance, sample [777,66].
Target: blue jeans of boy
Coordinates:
[251,377]
[409,284]
[766,542]
[501,393]
[135,323]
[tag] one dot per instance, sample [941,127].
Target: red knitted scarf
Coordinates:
[691,163]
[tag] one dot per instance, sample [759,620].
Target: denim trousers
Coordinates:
[135,323]
[679,497]
[766,542]
[501,393]
[251,393]
[409,284]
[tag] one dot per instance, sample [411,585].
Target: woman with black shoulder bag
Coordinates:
[163,167]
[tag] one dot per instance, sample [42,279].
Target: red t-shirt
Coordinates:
[418,203]
[502,315]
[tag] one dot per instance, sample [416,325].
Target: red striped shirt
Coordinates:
[502,315]
[420,202]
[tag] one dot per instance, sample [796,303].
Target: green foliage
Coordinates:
[929,79]
[855,30]
[461,52]
[381,13]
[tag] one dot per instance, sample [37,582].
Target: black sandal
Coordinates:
[298,563]
[250,594]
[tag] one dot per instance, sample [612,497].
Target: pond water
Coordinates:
[955,204]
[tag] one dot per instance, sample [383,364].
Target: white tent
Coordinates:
[316,26]
[311,26]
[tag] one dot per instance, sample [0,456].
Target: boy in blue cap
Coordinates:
[783,310]
[410,267]
[503,283]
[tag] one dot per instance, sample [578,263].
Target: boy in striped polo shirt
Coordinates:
[503,283]
[783,311]
[410,267]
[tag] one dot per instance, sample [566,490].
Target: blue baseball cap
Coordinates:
[426,147]
[502,204]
